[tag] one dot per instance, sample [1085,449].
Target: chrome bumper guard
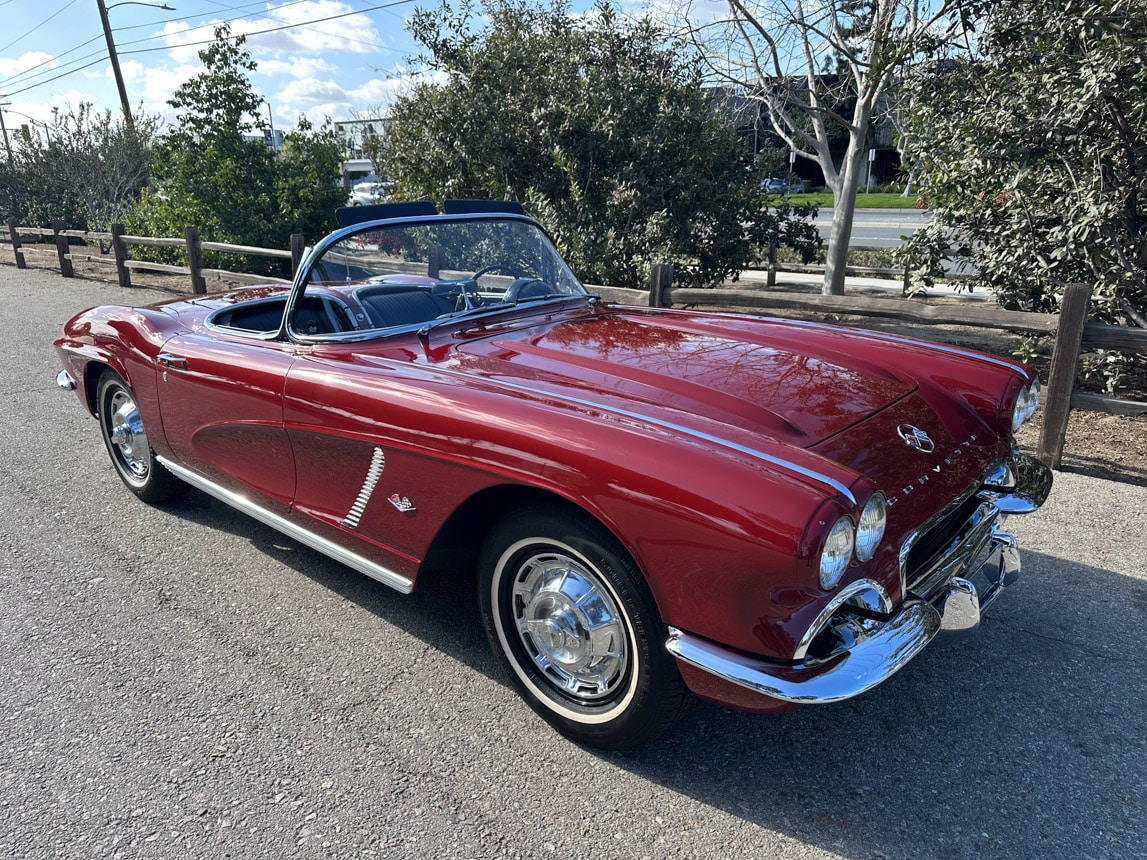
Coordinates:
[65,381]
[879,650]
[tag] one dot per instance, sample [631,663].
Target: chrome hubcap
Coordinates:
[126,433]
[570,625]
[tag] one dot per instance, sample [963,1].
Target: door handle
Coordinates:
[175,361]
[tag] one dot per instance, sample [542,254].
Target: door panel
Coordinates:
[222,407]
[373,458]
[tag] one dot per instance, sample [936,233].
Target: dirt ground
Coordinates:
[1107,446]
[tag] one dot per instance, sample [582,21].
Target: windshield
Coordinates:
[410,274]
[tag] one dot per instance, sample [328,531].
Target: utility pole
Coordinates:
[7,145]
[114,57]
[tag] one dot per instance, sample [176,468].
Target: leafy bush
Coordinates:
[599,125]
[210,173]
[1035,156]
[85,168]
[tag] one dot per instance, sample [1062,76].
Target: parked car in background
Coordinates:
[367,194]
[785,185]
[763,513]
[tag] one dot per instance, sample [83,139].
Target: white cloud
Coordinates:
[154,85]
[39,113]
[299,67]
[319,100]
[41,61]
[354,34]
[312,92]
[383,91]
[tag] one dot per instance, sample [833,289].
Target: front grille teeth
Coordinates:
[373,473]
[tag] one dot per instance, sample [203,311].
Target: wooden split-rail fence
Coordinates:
[1070,328]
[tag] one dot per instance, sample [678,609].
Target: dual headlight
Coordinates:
[1026,404]
[844,540]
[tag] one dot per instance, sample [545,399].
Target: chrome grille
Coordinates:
[950,547]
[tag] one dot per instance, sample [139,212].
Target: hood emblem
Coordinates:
[916,438]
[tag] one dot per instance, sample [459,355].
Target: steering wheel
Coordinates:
[497,267]
[463,293]
[524,289]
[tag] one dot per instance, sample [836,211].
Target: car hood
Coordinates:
[793,386]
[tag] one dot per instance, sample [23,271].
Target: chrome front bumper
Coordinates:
[988,562]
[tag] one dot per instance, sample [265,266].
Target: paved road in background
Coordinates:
[183,682]
[877,228]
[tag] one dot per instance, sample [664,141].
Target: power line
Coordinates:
[57,77]
[260,7]
[303,25]
[38,26]
[275,29]
[52,60]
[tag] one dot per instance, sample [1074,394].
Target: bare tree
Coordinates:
[819,67]
[85,167]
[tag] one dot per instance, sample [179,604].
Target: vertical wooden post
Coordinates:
[1061,377]
[298,245]
[435,260]
[15,236]
[62,249]
[195,259]
[907,285]
[771,280]
[119,248]
[660,280]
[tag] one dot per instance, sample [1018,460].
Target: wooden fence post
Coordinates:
[298,245]
[660,280]
[1061,377]
[771,280]
[435,258]
[195,259]
[119,248]
[62,249]
[12,226]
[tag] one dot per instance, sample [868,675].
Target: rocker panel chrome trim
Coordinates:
[302,535]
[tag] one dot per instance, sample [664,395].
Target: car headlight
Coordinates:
[837,552]
[870,529]
[1026,404]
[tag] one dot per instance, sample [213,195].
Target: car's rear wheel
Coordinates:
[576,628]
[128,445]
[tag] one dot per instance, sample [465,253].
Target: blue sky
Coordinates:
[316,57]
[319,58]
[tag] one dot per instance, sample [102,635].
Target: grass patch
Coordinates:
[863,201]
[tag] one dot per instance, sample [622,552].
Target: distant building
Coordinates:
[354,133]
[272,139]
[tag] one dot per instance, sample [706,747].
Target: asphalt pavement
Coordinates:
[877,228]
[183,682]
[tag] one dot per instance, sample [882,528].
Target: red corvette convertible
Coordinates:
[761,512]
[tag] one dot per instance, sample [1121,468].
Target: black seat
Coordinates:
[401,305]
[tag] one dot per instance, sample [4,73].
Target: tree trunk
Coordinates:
[844,207]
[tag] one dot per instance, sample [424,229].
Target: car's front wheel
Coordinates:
[128,445]
[576,628]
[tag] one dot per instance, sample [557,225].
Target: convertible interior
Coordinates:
[316,315]
[375,306]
